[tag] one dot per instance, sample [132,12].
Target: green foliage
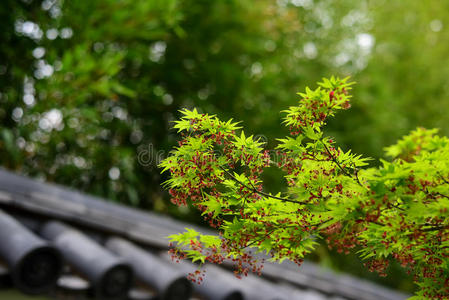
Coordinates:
[396,211]
[116,73]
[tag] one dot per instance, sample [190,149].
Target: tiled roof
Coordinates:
[70,245]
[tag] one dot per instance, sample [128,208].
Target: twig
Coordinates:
[434,227]
[339,166]
[254,190]
[442,178]
[260,239]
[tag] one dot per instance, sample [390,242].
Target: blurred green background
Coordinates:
[88,88]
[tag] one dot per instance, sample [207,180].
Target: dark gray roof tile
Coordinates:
[169,281]
[109,275]
[34,265]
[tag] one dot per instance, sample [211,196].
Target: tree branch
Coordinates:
[254,190]
[334,159]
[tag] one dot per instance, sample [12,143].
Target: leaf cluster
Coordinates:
[397,211]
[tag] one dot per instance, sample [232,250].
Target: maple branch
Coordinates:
[442,178]
[334,159]
[434,227]
[254,190]
[260,239]
[434,194]
[442,195]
